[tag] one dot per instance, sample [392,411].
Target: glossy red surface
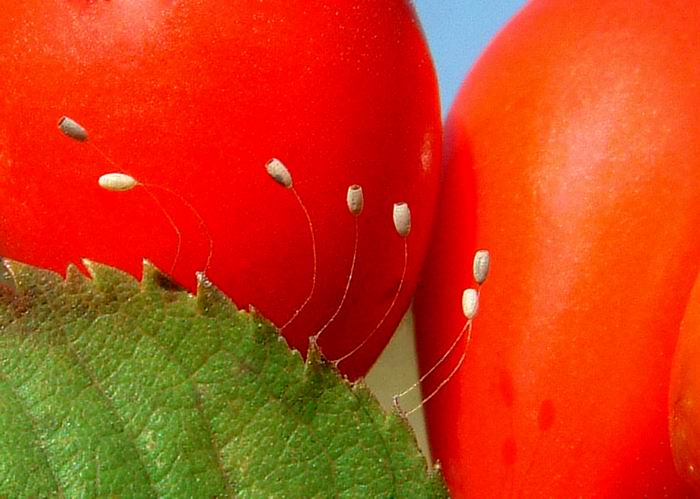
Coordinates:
[194,98]
[573,155]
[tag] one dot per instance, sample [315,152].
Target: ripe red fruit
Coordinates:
[684,394]
[573,155]
[192,99]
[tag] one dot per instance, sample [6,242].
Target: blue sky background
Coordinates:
[457,32]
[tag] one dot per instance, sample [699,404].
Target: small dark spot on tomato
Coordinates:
[506,387]
[509,451]
[545,418]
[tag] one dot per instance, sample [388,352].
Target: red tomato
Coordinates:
[192,99]
[573,155]
[684,394]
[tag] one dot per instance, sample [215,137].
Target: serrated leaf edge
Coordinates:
[208,295]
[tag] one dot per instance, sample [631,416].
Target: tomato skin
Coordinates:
[196,97]
[573,155]
[684,418]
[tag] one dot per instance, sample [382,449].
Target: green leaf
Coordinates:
[111,387]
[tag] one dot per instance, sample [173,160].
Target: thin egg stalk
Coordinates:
[279,172]
[355,202]
[470,307]
[121,182]
[401,215]
[481,265]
